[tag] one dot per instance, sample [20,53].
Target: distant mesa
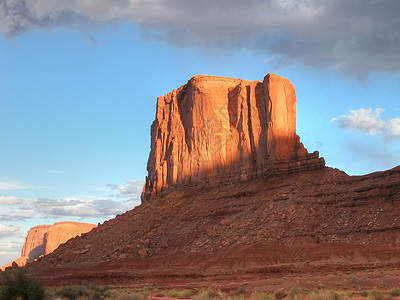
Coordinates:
[216,130]
[44,239]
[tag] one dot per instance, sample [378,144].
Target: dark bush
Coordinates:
[91,290]
[17,284]
[395,292]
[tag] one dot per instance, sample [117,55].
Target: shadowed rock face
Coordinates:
[216,130]
[44,239]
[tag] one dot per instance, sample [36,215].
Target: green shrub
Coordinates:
[16,284]
[68,292]
[364,293]
[110,294]
[88,290]
[236,297]
[296,293]
[395,292]
[261,296]
[181,294]
[206,294]
[240,290]
[376,295]
[324,295]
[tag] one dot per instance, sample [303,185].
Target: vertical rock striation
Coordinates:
[35,242]
[216,130]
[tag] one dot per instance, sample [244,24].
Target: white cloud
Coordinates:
[13,185]
[73,207]
[14,209]
[9,230]
[133,189]
[353,36]
[9,251]
[12,200]
[15,217]
[369,122]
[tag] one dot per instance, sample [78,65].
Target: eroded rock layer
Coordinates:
[216,130]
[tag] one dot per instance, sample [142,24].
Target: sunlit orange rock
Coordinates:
[35,242]
[44,239]
[216,130]
[61,232]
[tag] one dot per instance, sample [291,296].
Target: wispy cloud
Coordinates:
[9,251]
[10,247]
[53,172]
[18,217]
[352,36]
[12,200]
[14,209]
[133,189]
[9,230]
[72,207]
[13,185]
[367,121]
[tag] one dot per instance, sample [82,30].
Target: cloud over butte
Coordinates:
[369,122]
[352,36]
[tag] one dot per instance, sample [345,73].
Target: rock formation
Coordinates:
[35,243]
[216,130]
[295,223]
[44,239]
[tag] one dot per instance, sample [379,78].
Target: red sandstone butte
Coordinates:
[44,239]
[216,130]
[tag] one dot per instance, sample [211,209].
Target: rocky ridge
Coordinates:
[269,225]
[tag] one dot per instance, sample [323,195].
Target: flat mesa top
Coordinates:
[227,81]
[216,84]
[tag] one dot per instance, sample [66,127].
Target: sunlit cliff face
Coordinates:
[218,130]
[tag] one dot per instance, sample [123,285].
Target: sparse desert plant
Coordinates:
[280,293]
[324,295]
[296,293]
[111,294]
[208,294]
[134,296]
[240,290]
[364,293]
[261,296]
[93,290]
[236,297]
[395,292]
[17,284]
[88,290]
[181,294]
[376,295]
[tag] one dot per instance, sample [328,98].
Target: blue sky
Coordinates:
[79,81]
